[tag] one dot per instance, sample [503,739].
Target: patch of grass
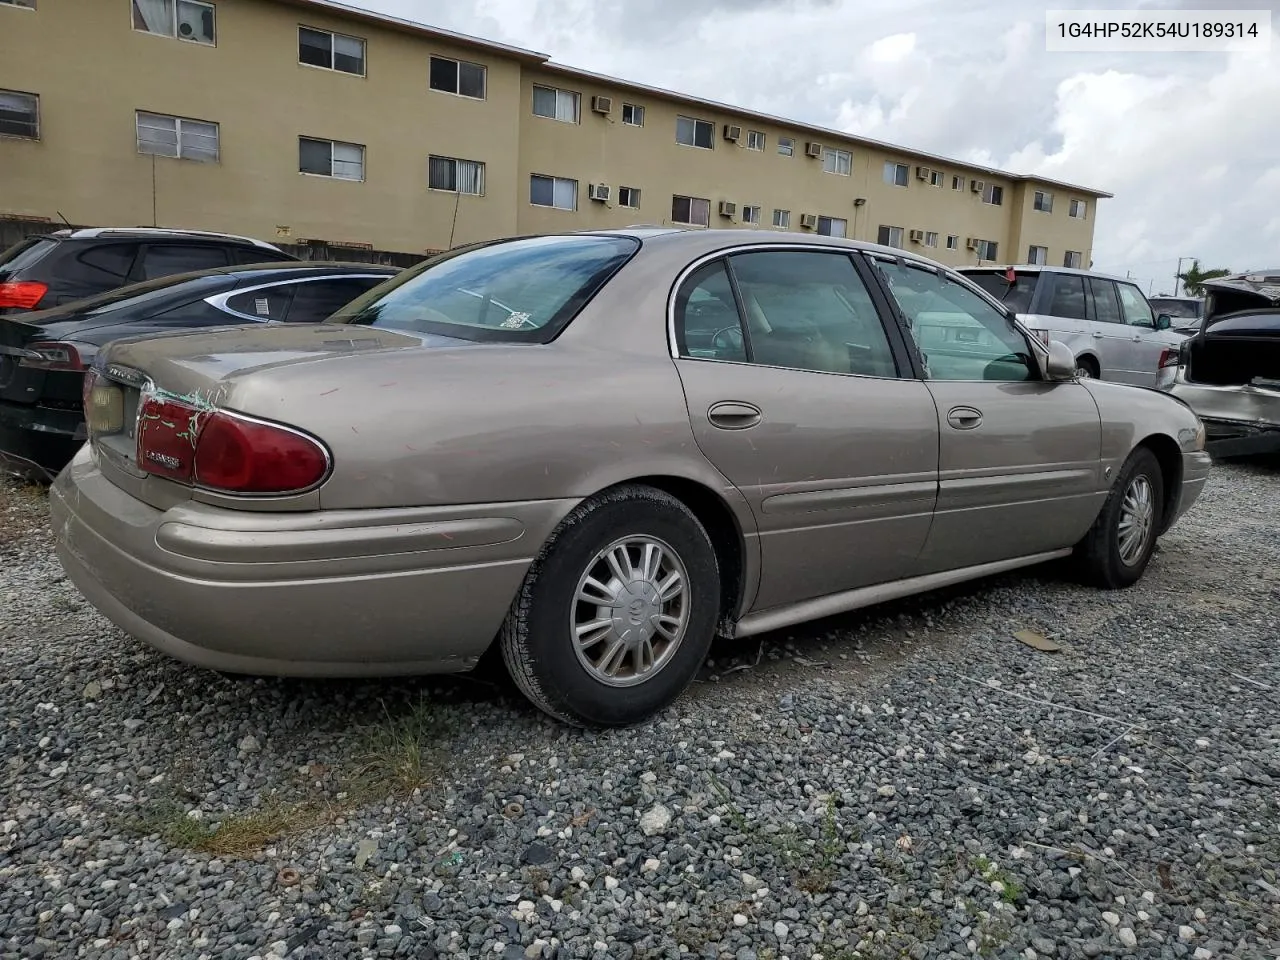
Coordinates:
[235,835]
[401,753]
[989,872]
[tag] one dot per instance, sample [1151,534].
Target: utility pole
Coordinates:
[1177,276]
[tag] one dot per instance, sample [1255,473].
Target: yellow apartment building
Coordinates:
[307,120]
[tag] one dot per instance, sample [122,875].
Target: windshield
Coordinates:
[1179,309]
[24,254]
[523,290]
[1015,296]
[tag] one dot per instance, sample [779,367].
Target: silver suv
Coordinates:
[1106,321]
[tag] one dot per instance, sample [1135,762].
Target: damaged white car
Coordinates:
[1229,371]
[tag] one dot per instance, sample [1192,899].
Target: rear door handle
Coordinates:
[734,415]
[1097,335]
[964,418]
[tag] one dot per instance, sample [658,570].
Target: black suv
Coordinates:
[67,265]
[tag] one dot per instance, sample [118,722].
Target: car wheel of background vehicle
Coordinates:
[1086,369]
[618,610]
[1116,550]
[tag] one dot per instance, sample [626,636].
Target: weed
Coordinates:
[402,752]
[1010,890]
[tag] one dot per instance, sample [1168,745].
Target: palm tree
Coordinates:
[1193,278]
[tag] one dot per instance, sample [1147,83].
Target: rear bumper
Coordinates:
[324,593]
[36,442]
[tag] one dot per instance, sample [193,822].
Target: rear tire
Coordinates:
[1115,552]
[1087,369]
[590,647]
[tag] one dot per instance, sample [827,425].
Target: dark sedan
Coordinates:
[43,355]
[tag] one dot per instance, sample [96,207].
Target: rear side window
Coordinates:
[108,262]
[256,255]
[514,291]
[265,303]
[1068,297]
[317,300]
[24,254]
[163,259]
[1016,296]
[1106,309]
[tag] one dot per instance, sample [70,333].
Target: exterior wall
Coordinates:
[86,166]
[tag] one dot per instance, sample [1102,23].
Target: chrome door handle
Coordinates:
[964,418]
[1137,338]
[734,415]
[1097,335]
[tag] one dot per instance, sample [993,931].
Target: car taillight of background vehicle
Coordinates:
[23,294]
[1168,357]
[226,452]
[52,355]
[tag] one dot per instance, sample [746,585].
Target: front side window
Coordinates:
[331,158]
[897,174]
[755,140]
[332,51]
[1037,254]
[1068,297]
[832,226]
[460,77]
[690,211]
[786,146]
[633,114]
[556,104]
[557,192]
[958,334]
[1106,308]
[19,115]
[692,132]
[782,218]
[1044,201]
[456,176]
[839,162]
[889,236]
[1136,309]
[513,291]
[178,137]
[189,20]
[316,300]
[163,259]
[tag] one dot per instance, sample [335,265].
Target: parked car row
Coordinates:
[598,450]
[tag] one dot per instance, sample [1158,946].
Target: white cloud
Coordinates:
[892,49]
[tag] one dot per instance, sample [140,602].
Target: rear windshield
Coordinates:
[1184,309]
[1016,296]
[23,254]
[523,290]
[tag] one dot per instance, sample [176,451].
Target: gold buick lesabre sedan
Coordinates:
[598,451]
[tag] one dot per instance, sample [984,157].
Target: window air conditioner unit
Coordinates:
[922,173]
[732,131]
[977,186]
[598,191]
[809,221]
[602,104]
[917,236]
[971,244]
[813,149]
[728,209]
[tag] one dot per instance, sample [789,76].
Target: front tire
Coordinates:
[1115,552]
[617,612]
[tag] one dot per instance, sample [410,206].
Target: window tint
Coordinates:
[1068,297]
[1137,312]
[196,313]
[707,323]
[255,255]
[1016,296]
[161,260]
[1105,307]
[317,300]
[523,290]
[109,261]
[267,303]
[811,311]
[959,335]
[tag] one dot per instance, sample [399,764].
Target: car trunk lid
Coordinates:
[18,383]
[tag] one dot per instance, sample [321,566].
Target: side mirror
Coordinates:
[1164,321]
[1061,362]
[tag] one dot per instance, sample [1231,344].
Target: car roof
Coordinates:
[142,233]
[1043,268]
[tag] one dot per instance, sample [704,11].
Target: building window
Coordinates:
[332,51]
[1073,259]
[691,211]
[935,178]
[993,194]
[556,104]
[786,146]
[782,218]
[456,176]
[896,173]
[695,133]
[1043,202]
[889,236]
[629,197]
[458,77]
[331,158]
[837,161]
[183,139]
[755,140]
[988,250]
[19,115]
[953,241]
[1038,254]
[1077,209]
[633,115]
[957,182]
[553,192]
[831,226]
[750,214]
[184,19]
[931,238]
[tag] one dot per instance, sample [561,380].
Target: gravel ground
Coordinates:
[910,782]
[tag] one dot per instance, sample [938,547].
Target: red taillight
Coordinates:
[1168,357]
[226,451]
[52,355]
[23,294]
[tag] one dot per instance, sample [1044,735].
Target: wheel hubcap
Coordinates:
[630,611]
[1083,373]
[1137,515]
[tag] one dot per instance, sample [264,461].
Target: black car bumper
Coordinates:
[36,442]
[1231,438]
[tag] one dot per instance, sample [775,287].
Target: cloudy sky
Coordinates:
[1189,142]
